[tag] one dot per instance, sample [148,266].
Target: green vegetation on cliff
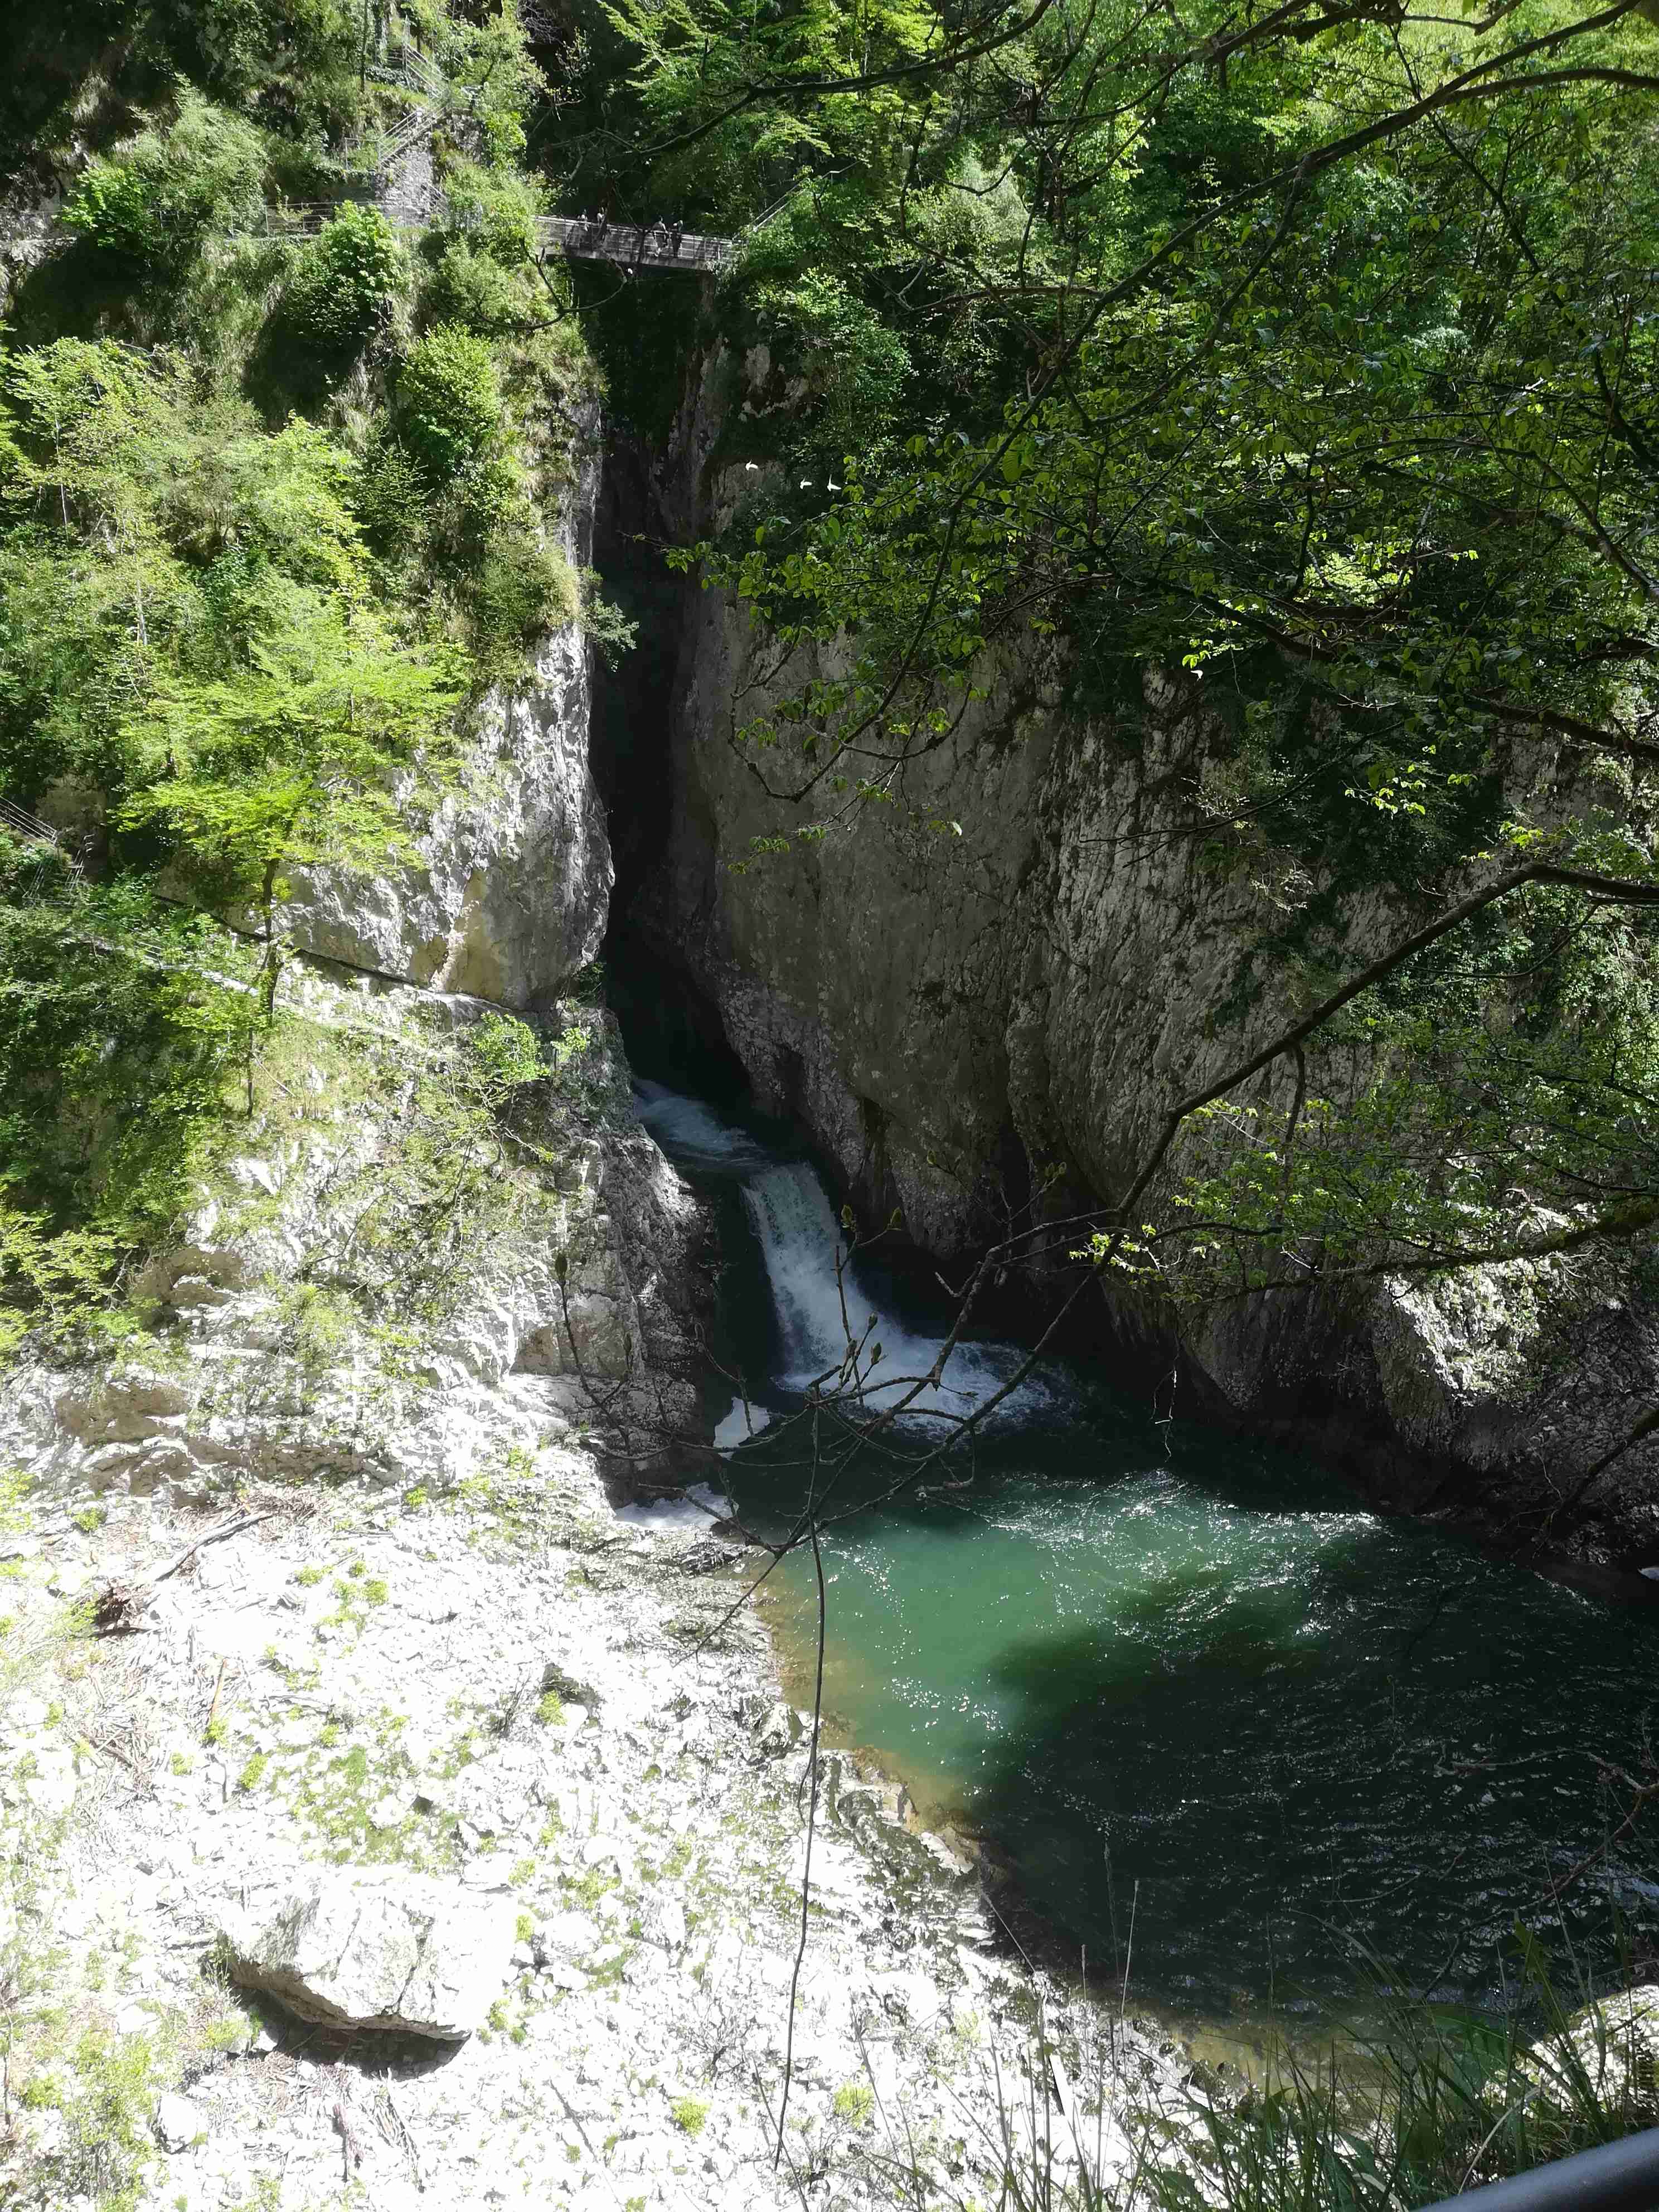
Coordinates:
[274,515]
[1307,358]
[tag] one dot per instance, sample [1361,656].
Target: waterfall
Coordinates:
[800,1242]
[693,1134]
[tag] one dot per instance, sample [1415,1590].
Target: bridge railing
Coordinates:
[632,246]
[28,827]
[1616,2176]
[659,245]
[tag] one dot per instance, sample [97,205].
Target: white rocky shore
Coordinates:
[388,1816]
[487,1768]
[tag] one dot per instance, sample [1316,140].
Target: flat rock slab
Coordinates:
[390,1953]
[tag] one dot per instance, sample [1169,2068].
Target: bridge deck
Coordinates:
[658,247]
[630,245]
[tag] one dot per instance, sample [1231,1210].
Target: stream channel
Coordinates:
[1216,1716]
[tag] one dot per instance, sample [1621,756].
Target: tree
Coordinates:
[193,634]
[1313,365]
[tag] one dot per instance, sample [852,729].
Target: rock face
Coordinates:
[393,1954]
[268,1360]
[990,992]
[1613,2045]
[179,2123]
[380,1278]
[511,892]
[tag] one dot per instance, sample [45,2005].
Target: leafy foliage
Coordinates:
[260,545]
[1308,361]
[449,405]
[349,284]
[220,568]
[120,1043]
[152,201]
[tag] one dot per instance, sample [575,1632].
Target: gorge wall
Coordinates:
[996,1016]
[509,894]
[406,1752]
[371,1277]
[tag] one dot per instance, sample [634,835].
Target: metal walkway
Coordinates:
[28,829]
[659,247]
[583,238]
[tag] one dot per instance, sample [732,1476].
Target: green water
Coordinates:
[1191,1686]
[1211,1692]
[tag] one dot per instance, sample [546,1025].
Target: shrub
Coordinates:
[688,2114]
[498,210]
[506,1054]
[470,291]
[857,367]
[349,285]
[152,202]
[389,498]
[520,590]
[604,623]
[854,2102]
[107,2103]
[449,403]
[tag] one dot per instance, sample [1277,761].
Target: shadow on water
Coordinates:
[1276,1738]
[1190,1684]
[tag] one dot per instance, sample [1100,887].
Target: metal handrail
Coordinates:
[1616,2176]
[26,826]
[633,246]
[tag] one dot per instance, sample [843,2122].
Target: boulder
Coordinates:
[179,2125]
[389,1953]
[1609,2051]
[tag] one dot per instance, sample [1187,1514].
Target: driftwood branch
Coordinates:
[118,1604]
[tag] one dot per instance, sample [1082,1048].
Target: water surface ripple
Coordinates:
[1180,1679]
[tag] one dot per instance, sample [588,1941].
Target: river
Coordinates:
[1239,1738]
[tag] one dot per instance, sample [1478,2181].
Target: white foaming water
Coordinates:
[696,1508]
[800,1240]
[738,1424]
[691,1131]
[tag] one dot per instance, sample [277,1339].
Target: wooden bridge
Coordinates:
[583,238]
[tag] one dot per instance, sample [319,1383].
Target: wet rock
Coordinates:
[1611,2047]
[778,1729]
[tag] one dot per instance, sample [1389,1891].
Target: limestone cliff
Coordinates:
[510,893]
[1002,1012]
[363,1283]
[370,1260]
